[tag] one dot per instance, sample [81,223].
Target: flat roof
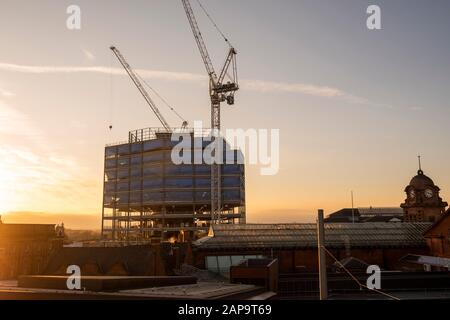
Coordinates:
[427,260]
[201,290]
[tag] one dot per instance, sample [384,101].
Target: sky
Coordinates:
[354,106]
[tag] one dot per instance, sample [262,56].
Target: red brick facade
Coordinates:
[438,237]
[305,260]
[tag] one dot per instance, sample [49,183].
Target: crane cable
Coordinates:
[361,285]
[111,99]
[161,98]
[217,28]
[214,24]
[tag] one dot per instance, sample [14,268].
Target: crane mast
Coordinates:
[218,92]
[141,89]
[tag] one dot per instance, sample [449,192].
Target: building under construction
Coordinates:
[147,196]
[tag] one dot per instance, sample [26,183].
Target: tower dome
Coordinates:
[421,181]
[422,203]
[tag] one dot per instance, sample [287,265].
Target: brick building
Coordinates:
[26,248]
[438,236]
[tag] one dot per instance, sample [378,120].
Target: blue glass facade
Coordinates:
[142,182]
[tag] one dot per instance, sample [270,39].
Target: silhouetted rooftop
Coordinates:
[374,234]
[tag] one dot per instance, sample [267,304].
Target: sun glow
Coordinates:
[7,187]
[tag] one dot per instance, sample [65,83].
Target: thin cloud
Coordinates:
[165,75]
[5,93]
[268,86]
[36,178]
[16,123]
[32,171]
[248,84]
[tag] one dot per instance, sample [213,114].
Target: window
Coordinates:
[136,147]
[235,260]
[203,169]
[123,161]
[154,156]
[211,264]
[222,264]
[202,182]
[110,163]
[122,174]
[152,196]
[179,182]
[135,185]
[178,169]
[123,149]
[152,171]
[110,152]
[232,181]
[110,175]
[110,186]
[135,197]
[135,160]
[153,144]
[152,183]
[135,172]
[179,196]
[122,198]
[108,199]
[231,195]
[122,186]
[231,168]
[203,196]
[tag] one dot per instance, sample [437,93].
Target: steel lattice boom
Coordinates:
[218,92]
[141,89]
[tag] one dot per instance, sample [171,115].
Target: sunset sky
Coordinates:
[354,106]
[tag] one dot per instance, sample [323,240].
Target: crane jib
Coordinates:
[141,89]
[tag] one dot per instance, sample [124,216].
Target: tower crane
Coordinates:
[135,78]
[218,92]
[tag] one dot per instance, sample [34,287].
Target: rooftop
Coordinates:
[380,211]
[153,133]
[200,290]
[374,234]
[13,231]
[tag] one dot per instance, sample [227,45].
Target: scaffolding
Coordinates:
[146,196]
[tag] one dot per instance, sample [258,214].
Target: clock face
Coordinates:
[412,194]
[428,193]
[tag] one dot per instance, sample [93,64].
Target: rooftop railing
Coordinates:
[153,133]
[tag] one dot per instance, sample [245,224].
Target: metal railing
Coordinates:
[152,133]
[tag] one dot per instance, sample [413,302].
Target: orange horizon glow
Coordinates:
[354,107]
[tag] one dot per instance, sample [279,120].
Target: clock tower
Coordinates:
[422,203]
